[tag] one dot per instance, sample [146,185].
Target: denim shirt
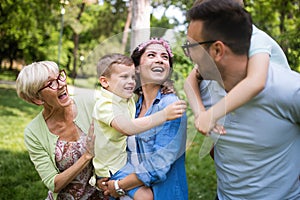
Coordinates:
[161,153]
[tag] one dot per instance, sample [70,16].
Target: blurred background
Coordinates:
[75,34]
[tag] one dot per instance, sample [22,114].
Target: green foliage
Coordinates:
[30,29]
[281,20]
[25,25]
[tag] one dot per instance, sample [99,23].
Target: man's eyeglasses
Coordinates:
[188,45]
[54,84]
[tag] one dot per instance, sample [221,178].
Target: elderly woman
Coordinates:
[157,155]
[58,139]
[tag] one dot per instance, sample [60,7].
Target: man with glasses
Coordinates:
[257,158]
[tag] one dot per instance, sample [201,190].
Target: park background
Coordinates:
[71,34]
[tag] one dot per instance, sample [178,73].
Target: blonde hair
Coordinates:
[33,77]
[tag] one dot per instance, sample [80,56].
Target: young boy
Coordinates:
[263,49]
[115,113]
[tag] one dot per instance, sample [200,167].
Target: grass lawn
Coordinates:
[19,180]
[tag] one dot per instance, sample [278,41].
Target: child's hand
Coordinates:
[205,122]
[175,110]
[219,129]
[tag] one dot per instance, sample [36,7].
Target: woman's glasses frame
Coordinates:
[54,84]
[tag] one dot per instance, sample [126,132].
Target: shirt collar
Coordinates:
[141,98]
[111,95]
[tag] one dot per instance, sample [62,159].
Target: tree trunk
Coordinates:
[68,62]
[76,42]
[140,22]
[126,28]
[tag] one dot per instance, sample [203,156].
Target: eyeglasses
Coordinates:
[188,45]
[54,84]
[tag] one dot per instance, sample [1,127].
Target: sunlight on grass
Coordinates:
[18,178]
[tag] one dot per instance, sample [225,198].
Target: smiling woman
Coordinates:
[115,113]
[158,154]
[58,139]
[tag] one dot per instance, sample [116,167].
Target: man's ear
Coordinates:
[217,50]
[103,81]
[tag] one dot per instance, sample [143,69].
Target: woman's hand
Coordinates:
[90,141]
[102,186]
[111,189]
[102,183]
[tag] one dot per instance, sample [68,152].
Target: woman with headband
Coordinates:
[156,157]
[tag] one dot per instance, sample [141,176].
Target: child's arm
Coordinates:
[191,89]
[244,91]
[130,127]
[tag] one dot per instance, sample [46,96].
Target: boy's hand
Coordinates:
[175,110]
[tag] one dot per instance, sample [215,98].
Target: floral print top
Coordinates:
[66,154]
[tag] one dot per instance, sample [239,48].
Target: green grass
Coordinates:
[8,75]
[19,179]
[200,171]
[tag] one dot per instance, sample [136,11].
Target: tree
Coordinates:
[280,19]
[25,29]
[140,25]
[127,26]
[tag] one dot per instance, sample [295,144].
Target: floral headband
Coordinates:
[160,41]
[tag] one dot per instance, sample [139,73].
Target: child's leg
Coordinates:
[143,193]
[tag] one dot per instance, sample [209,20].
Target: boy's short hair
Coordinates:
[104,65]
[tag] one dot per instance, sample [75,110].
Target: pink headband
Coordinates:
[160,41]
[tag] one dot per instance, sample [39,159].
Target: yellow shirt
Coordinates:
[110,145]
